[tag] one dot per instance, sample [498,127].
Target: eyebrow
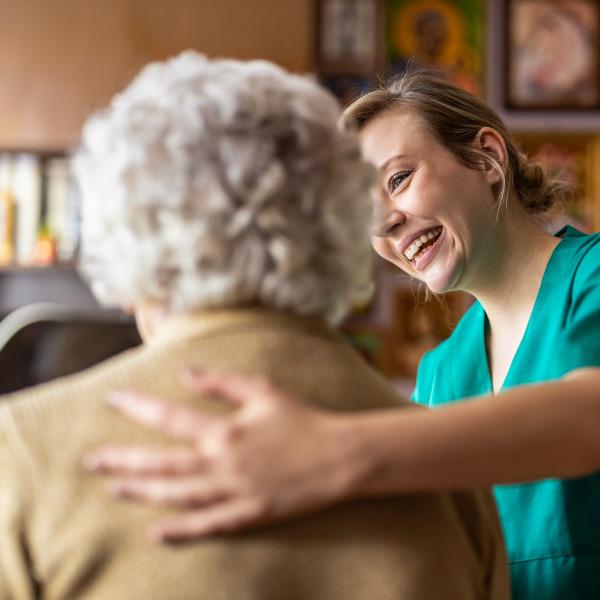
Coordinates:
[390,160]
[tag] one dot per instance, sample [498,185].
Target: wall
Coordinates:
[61,59]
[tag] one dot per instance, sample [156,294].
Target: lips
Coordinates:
[421,242]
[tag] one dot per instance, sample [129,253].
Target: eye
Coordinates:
[396,179]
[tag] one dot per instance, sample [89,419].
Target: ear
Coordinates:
[488,140]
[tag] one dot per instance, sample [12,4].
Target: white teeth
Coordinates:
[420,241]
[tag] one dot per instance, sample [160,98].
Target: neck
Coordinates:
[163,326]
[150,317]
[511,278]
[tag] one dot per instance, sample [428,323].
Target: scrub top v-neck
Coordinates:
[551,527]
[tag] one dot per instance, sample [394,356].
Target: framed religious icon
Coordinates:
[552,54]
[349,37]
[446,35]
[543,65]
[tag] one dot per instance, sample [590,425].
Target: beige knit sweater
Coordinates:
[61,537]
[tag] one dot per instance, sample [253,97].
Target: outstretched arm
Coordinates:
[527,433]
[274,457]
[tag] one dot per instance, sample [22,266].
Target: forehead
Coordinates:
[395,132]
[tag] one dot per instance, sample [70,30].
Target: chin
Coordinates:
[441,281]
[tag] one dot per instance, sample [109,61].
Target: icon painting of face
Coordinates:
[554,54]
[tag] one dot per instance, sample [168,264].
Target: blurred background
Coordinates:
[536,61]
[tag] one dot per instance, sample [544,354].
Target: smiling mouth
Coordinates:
[422,243]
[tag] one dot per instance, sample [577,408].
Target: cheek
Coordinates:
[387,252]
[380,246]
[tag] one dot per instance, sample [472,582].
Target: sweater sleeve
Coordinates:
[16,580]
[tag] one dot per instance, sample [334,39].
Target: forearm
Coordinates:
[527,433]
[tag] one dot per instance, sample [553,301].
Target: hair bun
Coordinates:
[536,189]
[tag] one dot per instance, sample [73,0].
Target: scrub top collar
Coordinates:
[564,233]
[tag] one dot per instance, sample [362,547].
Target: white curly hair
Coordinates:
[218,183]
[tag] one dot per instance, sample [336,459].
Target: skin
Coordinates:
[275,457]
[481,250]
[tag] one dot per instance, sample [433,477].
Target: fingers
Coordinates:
[143,460]
[237,389]
[176,421]
[183,492]
[224,517]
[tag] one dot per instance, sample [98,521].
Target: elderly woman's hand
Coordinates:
[271,458]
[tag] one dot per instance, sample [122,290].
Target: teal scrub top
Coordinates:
[551,527]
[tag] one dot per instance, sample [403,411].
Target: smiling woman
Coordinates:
[456,208]
[431,149]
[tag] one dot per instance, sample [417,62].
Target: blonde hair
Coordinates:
[455,117]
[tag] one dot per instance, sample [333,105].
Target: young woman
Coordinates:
[455,208]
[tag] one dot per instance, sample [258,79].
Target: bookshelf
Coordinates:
[39,235]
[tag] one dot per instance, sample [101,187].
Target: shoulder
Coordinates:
[587,259]
[584,276]
[573,302]
[60,413]
[58,390]
[571,283]
[582,251]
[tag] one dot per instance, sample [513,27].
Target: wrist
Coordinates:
[357,459]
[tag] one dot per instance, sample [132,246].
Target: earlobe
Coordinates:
[492,174]
[492,169]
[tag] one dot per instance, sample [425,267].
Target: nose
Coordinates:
[386,218]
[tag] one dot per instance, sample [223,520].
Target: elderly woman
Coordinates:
[226,209]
